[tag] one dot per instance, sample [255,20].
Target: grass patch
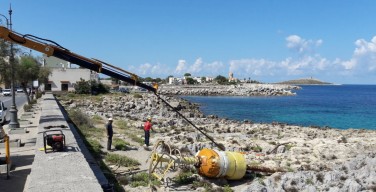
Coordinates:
[120,144]
[121,124]
[205,184]
[137,95]
[121,160]
[256,148]
[94,147]
[227,188]
[142,179]
[289,146]
[184,178]
[136,138]
[97,119]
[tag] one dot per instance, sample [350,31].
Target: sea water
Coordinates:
[336,106]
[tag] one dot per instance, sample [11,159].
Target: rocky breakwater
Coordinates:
[230,90]
[304,158]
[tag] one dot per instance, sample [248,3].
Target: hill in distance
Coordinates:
[305,82]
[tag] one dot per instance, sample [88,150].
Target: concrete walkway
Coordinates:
[34,170]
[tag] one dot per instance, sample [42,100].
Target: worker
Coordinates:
[147,128]
[110,133]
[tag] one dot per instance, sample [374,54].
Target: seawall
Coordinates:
[71,170]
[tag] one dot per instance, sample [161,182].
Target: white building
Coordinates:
[175,81]
[64,75]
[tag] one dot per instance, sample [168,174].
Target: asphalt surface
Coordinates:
[20,101]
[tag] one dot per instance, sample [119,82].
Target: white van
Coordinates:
[7,92]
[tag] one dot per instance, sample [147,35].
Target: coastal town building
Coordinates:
[231,77]
[182,81]
[64,75]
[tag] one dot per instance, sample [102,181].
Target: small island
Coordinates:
[308,81]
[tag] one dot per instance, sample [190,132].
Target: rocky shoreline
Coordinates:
[311,159]
[230,90]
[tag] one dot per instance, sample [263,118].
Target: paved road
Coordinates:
[20,100]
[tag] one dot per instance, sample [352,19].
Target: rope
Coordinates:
[206,135]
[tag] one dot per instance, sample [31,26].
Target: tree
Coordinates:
[158,80]
[191,81]
[90,87]
[4,63]
[82,87]
[203,79]
[148,79]
[187,75]
[26,72]
[221,79]
[44,73]
[98,88]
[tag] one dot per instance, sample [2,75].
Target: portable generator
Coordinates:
[55,139]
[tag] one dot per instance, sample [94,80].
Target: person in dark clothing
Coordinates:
[147,128]
[110,132]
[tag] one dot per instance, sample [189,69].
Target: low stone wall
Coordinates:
[71,170]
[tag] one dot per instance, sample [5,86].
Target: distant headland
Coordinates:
[307,81]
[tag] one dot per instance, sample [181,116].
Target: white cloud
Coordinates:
[306,64]
[301,45]
[196,67]
[180,67]
[364,57]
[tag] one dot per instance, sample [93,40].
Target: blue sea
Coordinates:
[336,106]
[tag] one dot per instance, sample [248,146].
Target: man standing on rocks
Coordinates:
[147,128]
[110,133]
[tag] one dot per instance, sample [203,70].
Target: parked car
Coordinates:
[3,113]
[7,92]
[19,90]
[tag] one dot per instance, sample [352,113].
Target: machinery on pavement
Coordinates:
[55,139]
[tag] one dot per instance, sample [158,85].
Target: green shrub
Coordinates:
[256,148]
[27,107]
[71,95]
[184,178]
[79,118]
[121,160]
[205,184]
[82,87]
[120,144]
[227,188]
[38,95]
[142,179]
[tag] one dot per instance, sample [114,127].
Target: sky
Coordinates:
[265,40]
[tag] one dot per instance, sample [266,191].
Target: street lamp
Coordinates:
[6,19]
[13,108]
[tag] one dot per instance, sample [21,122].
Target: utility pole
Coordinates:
[13,108]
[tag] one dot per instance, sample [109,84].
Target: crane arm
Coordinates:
[60,52]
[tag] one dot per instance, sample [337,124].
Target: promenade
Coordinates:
[34,170]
